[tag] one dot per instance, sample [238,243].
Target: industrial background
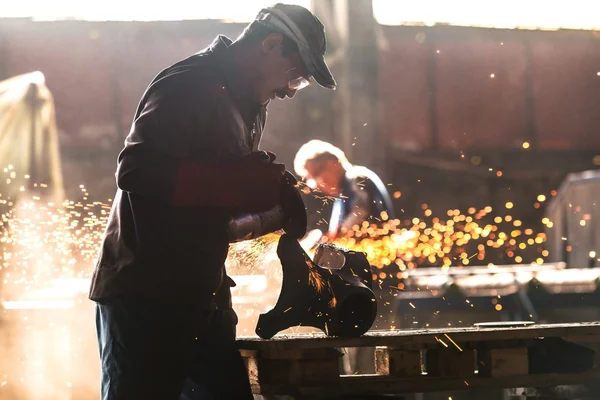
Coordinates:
[465,124]
[453,101]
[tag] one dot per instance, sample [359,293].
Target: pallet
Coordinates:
[306,366]
[373,385]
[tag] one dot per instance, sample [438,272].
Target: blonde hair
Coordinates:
[315,150]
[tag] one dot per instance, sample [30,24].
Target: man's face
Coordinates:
[326,175]
[275,71]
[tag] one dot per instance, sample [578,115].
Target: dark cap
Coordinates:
[307,31]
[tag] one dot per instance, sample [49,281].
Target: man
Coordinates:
[360,196]
[164,315]
[359,193]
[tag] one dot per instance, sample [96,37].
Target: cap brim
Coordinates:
[313,59]
[318,68]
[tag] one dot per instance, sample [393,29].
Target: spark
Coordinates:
[333,301]
[314,278]
[43,241]
[453,342]
[441,341]
[398,245]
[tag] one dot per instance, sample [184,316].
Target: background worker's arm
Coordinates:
[156,161]
[359,209]
[368,203]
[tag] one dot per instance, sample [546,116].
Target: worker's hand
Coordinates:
[311,239]
[257,172]
[271,155]
[260,157]
[295,223]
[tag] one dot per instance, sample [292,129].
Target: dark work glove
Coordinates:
[260,157]
[295,221]
[265,177]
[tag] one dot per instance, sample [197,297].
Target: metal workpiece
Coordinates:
[339,302]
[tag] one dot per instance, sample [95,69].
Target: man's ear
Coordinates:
[271,42]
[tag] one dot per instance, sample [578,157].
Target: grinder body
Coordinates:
[289,215]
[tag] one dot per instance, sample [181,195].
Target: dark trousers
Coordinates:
[164,350]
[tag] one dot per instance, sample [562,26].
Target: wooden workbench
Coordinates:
[306,366]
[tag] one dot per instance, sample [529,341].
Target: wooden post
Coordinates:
[433,105]
[355,58]
[529,96]
[4,55]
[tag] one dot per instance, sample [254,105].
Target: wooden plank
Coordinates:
[378,384]
[398,362]
[503,362]
[584,332]
[319,367]
[450,362]
[295,354]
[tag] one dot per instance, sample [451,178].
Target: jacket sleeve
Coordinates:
[364,205]
[369,201]
[156,161]
[358,211]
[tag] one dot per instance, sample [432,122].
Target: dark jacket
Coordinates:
[179,177]
[363,197]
